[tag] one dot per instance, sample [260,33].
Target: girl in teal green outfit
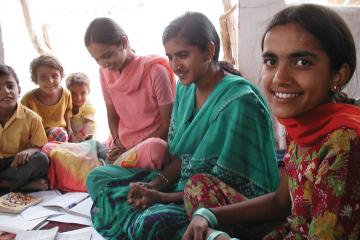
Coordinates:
[220,125]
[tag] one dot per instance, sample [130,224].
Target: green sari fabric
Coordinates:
[230,137]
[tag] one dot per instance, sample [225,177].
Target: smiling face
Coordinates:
[296,74]
[112,57]
[48,79]
[188,62]
[9,93]
[79,93]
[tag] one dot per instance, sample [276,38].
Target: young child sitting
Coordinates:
[51,101]
[22,165]
[82,120]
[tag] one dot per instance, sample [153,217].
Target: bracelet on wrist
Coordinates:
[162,176]
[214,234]
[116,138]
[208,215]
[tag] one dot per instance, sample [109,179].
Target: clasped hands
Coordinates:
[142,195]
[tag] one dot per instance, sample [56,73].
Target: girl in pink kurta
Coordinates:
[138,92]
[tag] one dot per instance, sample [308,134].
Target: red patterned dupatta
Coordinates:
[315,125]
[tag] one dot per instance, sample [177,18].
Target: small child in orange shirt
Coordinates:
[22,165]
[82,120]
[51,101]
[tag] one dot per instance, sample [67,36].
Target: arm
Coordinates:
[164,91]
[113,121]
[22,157]
[171,173]
[142,195]
[68,111]
[264,208]
[37,139]
[272,206]
[68,127]
[165,114]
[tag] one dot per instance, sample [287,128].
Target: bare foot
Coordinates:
[36,185]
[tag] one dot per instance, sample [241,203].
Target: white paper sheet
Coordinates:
[95,235]
[38,211]
[71,218]
[15,223]
[79,234]
[48,234]
[46,195]
[67,200]
[83,208]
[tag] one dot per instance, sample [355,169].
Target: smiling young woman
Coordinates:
[308,56]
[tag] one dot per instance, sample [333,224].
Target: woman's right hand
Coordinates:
[197,230]
[141,195]
[115,152]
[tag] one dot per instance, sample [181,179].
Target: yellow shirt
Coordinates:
[23,130]
[86,113]
[54,115]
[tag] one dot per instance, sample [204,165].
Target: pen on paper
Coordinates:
[75,203]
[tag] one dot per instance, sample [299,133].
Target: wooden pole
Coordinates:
[228,32]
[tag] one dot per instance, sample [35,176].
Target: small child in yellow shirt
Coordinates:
[51,101]
[82,120]
[22,165]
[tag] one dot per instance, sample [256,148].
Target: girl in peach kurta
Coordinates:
[138,90]
[136,93]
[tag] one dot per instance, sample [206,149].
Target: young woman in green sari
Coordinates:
[220,125]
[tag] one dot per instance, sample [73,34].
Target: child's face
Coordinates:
[296,74]
[79,93]
[48,79]
[188,62]
[9,92]
[112,57]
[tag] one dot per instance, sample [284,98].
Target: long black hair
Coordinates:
[329,28]
[103,31]
[197,30]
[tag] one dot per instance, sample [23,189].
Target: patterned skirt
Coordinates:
[203,190]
